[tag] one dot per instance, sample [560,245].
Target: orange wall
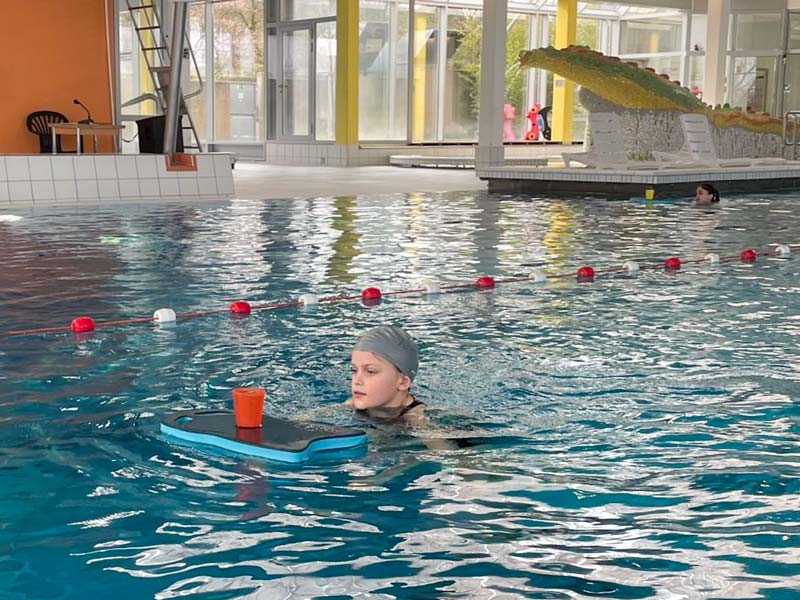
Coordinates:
[51,51]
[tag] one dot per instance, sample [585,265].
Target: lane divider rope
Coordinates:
[371,295]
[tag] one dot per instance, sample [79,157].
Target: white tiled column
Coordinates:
[493,74]
[716,47]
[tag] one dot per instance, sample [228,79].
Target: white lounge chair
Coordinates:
[608,147]
[703,152]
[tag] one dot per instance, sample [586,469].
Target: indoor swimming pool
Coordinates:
[634,437]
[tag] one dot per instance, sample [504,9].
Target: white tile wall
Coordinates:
[222,165]
[87,189]
[17,169]
[20,190]
[106,166]
[169,187]
[205,166]
[84,167]
[43,190]
[126,167]
[225,186]
[149,188]
[108,189]
[66,189]
[62,167]
[39,178]
[161,167]
[188,187]
[129,188]
[40,168]
[207,186]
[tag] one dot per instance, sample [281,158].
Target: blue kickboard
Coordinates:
[277,439]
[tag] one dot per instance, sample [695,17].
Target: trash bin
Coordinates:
[151,135]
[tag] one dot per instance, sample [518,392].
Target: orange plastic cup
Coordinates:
[248,406]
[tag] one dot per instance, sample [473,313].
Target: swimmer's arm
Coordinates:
[312,414]
[418,418]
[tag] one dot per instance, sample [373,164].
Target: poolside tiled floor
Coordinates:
[258,181]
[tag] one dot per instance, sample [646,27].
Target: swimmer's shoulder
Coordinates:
[415,413]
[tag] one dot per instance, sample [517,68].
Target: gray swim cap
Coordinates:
[393,344]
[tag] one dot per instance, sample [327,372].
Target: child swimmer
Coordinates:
[383,365]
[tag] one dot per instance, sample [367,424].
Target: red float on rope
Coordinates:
[673,263]
[82,324]
[240,307]
[371,293]
[585,274]
[484,281]
[748,255]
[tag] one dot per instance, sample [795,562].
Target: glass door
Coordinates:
[791,66]
[296,86]
[791,83]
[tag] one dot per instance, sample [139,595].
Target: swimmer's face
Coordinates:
[375,382]
[703,196]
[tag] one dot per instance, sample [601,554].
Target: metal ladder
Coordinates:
[156,53]
[791,139]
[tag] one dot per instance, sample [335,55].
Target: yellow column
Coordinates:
[420,67]
[564,90]
[652,42]
[347,71]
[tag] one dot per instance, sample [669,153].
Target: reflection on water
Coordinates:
[632,438]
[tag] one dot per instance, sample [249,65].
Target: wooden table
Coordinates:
[79,129]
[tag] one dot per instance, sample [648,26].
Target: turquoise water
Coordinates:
[636,437]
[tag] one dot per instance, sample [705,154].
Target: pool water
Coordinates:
[635,437]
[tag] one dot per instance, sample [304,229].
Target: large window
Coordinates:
[757,32]
[519,91]
[425,73]
[383,70]
[239,70]
[755,48]
[307,9]
[650,37]
[753,83]
[794,31]
[197,94]
[462,74]
[697,26]
[325,85]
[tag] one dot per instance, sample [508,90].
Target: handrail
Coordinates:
[794,116]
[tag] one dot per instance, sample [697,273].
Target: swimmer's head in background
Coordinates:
[393,344]
[710,189]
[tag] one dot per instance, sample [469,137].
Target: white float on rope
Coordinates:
[538,276]
[631,266]
[164,315]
